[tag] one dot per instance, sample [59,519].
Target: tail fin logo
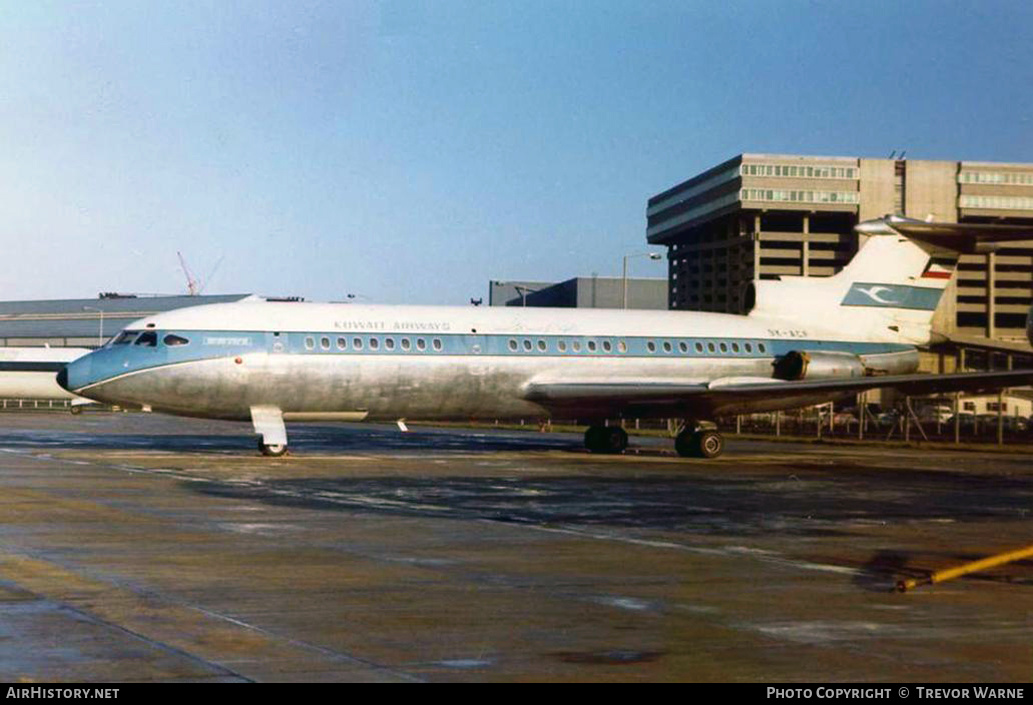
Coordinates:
[875,294]
[892,296]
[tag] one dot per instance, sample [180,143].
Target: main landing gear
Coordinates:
[606,439]
[698,442]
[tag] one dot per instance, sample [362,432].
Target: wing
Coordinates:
[645,397]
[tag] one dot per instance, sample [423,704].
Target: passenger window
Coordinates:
[173,340]
[406,344]
[699,347]
[724,347]
[148,339]
[512,345]
[389,343]
[437,344]
[324,343]
[735,347]
[762,348]
[357,343]
[342,344]
[749,347]
[591,346]
[374,343]
[421,344]
[651,346]
[683,347]
[310,343]
[542,346]
[576,345]
[562,345]
[607,347]
[667,346]
[622,346]
[711,347]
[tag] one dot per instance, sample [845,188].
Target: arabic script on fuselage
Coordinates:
[396,326]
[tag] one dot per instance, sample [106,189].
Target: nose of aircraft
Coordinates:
[76,374]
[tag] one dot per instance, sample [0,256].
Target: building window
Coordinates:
[760,194]
[996,202]
[1004,178]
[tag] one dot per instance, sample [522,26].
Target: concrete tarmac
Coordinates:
[137,547]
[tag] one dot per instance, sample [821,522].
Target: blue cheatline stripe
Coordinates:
[118,360]
[869,294]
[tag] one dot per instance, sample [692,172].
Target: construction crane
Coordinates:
[196,287]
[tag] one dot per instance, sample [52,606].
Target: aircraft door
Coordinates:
[276,343]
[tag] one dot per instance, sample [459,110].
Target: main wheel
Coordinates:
[75,410]
[685,444]
[606,439]
[711,443]
[274,450]
[706,443]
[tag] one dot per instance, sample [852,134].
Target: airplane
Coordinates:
[31,373]
[805,341]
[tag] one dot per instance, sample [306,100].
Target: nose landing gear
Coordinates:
[268,423]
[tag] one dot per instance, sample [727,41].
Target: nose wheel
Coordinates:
[606,439]
[699,443]
[273,450]
[272,434]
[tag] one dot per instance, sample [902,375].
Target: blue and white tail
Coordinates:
[887,293]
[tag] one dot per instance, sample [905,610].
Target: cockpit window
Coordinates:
[127,337]
[173,340]
[148,339]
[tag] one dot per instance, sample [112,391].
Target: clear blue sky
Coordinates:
[411,151]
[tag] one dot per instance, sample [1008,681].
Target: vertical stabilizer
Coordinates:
[887,293]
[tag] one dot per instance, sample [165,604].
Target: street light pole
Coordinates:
[624,276]
[100,333]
